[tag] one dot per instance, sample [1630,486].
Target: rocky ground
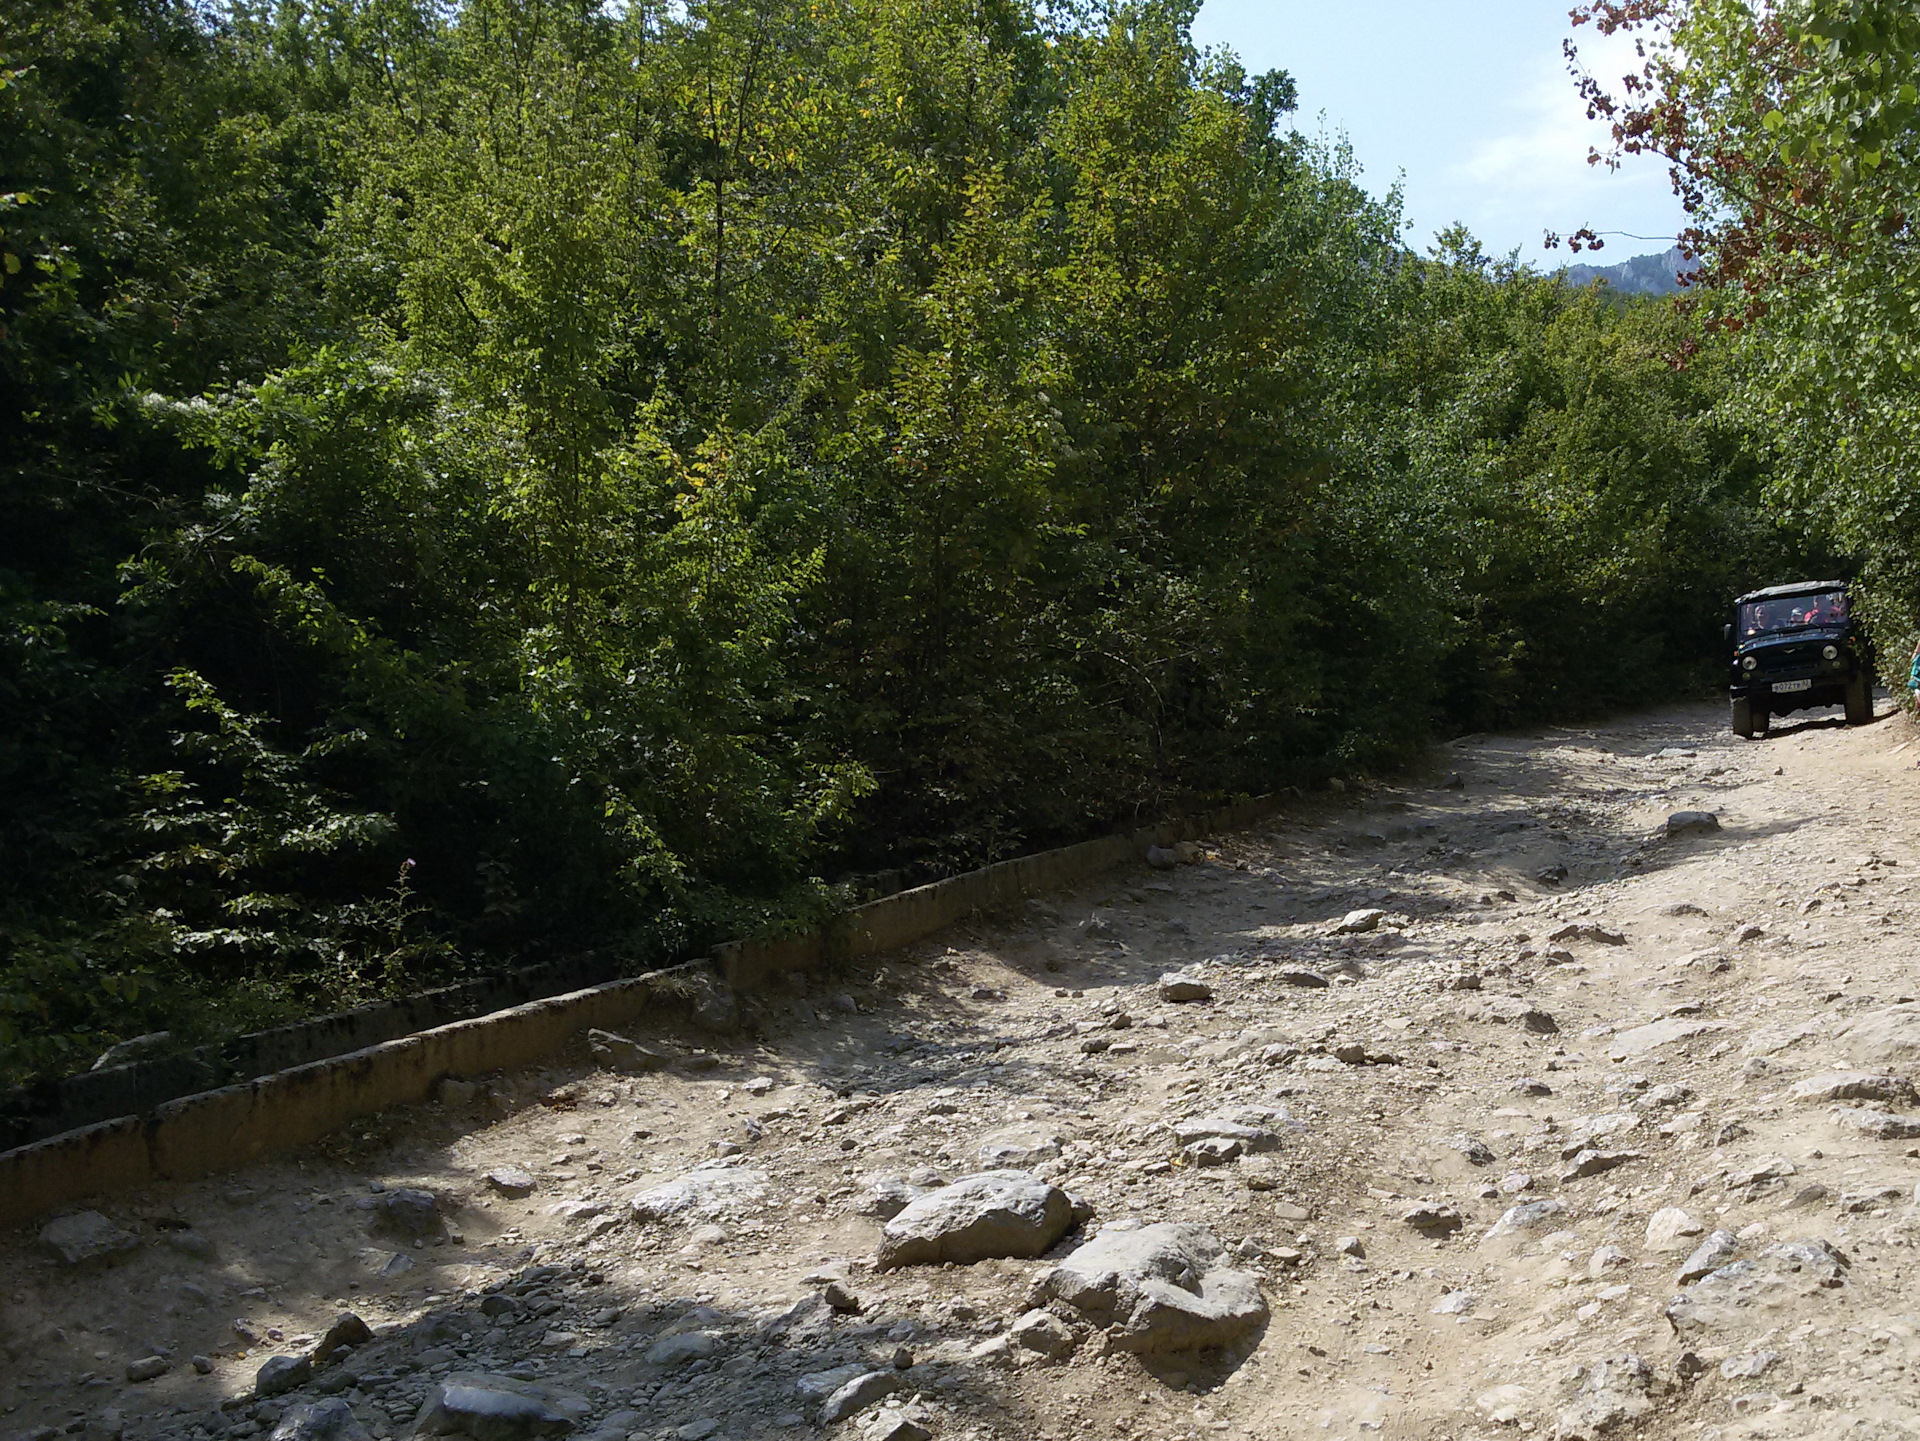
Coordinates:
[1479,1105]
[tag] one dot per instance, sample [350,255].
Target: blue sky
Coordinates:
[1472,102]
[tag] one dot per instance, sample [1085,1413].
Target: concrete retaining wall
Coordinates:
[48,1108]
[234,1124]
[908,916]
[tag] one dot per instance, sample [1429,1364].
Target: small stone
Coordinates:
[282,1373]
[511,1181]
[1433,1218]
[86,1239]
[1455,1303]
[1529,1216]
[679,1349]
[759,1085]
[864,1390]
[841,1299]
[1476,1151]
[203,1365]
[1515,1182]
[1044,1332]
[1605,1259]
[1351,1246]
[1590,1162]
[147,1368]
[1710,1255]
[1749,1366]
[347,1330]
[894,1426]
[1308,980]
[1672,1229]
[409,1213]
[1179,986]
[329,1420]
[1691,823]
[1359,922]
[1528,1086]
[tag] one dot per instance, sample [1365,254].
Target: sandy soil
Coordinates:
[1707,977]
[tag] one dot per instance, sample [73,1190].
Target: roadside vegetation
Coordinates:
[495,481]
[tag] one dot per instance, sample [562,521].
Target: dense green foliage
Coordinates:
[516,479]
[1794,133]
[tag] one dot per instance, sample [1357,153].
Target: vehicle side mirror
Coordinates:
[1727,631]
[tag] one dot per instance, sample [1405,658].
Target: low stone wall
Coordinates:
[908,916]
[218,1129]
[49,1108]
[213,1130]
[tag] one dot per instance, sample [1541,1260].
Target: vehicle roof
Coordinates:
[1798,587]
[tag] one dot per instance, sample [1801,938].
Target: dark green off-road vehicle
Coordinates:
[1794,647]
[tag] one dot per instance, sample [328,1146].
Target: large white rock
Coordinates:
[1159,1288]
[1889,1037]
[709,1190]
[994,1213]
[1672,1229]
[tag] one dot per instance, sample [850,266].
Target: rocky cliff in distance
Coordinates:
[1643,275]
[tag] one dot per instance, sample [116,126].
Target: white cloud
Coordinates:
[1532,173]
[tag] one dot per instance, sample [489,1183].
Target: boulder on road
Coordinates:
[408,1213]
[1358,922]
[1251,1137]
[328,1420]
[1853,1086]
[1179,986]
[995,1213]
[858,1394]
[1159,1288]
[498,1408]
[711,1189]
[282,1373]
[1691,823]
[86,1238]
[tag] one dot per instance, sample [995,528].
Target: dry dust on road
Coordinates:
[1588,1131]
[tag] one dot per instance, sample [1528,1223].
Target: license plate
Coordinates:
[1780,686]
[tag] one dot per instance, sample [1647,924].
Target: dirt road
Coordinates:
[1572,1050]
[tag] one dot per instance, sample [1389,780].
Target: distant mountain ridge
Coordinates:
[1643,275]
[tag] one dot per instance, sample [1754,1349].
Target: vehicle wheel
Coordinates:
[1859,700]
[1762,718]
[1743,718]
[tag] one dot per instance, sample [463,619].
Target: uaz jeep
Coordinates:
[1796,646]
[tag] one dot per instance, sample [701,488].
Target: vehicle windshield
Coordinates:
[1760,616]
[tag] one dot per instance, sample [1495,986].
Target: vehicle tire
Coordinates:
[1762,719]
[1859,700]
[1743,718]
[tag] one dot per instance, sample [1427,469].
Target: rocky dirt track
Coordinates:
[1588,1131]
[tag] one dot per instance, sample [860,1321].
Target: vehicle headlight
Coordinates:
[1831,652]
[1749,663]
